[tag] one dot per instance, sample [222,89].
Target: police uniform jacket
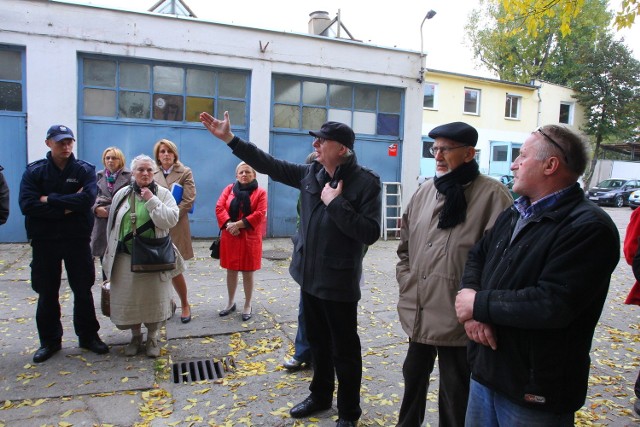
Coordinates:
[329,244]
[73,189]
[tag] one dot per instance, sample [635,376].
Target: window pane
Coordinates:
[565,110]
[232,85]
[287,91]
[10,96]
[286,116]
[340,96]
[98,102]
[314,93]
[134,105]
[236,110]
[365,98]
[471,101]
[10,65]
[500,153]
[167,107]
[429,96]
[135,76]
[426,145]
[168,79]
[388,124]
[99,73]
[195,106]
[201,82]
[389,101]
[364,122]
[313,118]
[342,116]
[515,152]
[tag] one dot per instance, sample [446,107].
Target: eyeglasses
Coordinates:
[558,146]
[444,150]
[320,140]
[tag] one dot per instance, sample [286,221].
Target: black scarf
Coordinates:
[455,205]
[242,200]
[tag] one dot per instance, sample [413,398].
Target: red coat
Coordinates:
[630,248]
[242,252]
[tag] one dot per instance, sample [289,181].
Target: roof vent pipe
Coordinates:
[319,22]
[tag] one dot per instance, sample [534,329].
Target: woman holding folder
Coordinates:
[177,178]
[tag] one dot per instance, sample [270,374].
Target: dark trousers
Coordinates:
[46,271]
[332,331]
[454,384]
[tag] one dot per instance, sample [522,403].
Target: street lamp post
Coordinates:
[429,15]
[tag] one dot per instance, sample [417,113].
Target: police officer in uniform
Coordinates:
[56,196]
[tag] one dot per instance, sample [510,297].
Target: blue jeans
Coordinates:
[487,408]
[303,350]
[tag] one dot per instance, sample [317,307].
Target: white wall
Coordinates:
[54,33]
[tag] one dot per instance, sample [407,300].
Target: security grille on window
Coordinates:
[149,91]
[471,101]
[306,104]
[512,107]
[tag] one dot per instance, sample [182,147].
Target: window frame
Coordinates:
[436,92]
[570,115]
[509,99]
[477,103]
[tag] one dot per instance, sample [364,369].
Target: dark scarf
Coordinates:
[455,205]
[242,199]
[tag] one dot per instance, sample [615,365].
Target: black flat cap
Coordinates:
[336,131]
[456,131]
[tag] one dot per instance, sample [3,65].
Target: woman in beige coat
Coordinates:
[170,171]
[138,298]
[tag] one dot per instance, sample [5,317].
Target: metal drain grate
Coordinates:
[201,370]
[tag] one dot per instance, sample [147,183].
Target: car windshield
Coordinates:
[611,183]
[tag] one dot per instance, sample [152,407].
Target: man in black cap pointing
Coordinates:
[340,206]
[443,219]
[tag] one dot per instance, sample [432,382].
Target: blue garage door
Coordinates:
[300,105]
[132,104]
[13,136]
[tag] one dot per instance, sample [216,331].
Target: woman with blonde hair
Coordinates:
[114,176]
[172,172]
[241,212]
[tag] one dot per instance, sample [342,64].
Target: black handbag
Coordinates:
[215,247]
[150,254]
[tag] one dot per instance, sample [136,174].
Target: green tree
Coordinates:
[530,15]
[542,53]
[609,89]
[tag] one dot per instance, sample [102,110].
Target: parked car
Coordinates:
[634,199]
[614,192]
[503,178]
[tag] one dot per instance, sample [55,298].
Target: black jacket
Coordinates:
[544,292]
[48,220]
[4,198]
[329,243]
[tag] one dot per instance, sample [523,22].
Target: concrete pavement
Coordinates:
[187,385]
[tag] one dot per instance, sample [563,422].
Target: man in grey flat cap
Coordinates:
[443,220]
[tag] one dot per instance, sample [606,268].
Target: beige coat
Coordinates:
[432,259]
[181,233]
[139,297]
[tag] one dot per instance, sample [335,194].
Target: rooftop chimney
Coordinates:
[319,22]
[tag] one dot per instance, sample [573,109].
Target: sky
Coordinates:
[443,38]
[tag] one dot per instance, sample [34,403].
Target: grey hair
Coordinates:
[141,158]
[575,147]
[348,153]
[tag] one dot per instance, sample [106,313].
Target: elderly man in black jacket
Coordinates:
[533,289]
[339,214]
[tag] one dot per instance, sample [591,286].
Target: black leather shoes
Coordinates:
[44,353]
[228,311]
[345,423]
[308,407]
[246,316]
[95,345]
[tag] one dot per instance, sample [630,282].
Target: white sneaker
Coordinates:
[293,364]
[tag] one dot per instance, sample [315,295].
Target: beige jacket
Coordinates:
[164,213]
[181,233]
[432,259]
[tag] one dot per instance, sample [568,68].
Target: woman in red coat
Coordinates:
[241,212]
